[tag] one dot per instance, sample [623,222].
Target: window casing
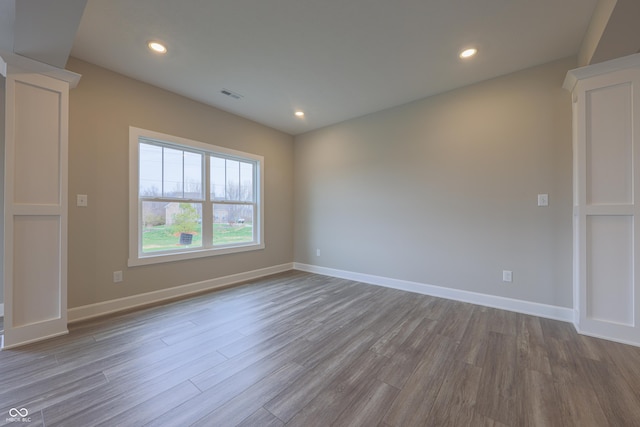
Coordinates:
[190,199]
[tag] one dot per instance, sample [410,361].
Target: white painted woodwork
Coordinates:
[608,145]
[606,126]
[38,291]
[609,264]
[36,146]
[35,204]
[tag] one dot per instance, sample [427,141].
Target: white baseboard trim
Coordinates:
[526,307]
[2,310]
[107,307]
[632,342]
[32,341]
[509,304]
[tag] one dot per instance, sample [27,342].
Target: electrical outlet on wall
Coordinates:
[543,200]
[507,276]
[82,200]
[317,252]
[117,276]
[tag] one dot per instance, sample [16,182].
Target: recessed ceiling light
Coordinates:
[157,47]
[299,113]
[468,53]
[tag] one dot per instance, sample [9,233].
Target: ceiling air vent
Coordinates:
[230,93]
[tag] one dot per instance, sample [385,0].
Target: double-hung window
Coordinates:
[190,199]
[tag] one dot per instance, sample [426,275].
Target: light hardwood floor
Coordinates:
[299,349]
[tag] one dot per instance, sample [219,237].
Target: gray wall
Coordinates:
[102,108]
[443,191]
[440,191]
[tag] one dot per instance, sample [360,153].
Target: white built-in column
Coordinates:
[35,202]
[606,113]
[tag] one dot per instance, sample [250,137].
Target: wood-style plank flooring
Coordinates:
[299,349]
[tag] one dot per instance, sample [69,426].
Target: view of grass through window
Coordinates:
[162,238]
[165,224]
[193,200]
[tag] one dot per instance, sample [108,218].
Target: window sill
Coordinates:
[193,254]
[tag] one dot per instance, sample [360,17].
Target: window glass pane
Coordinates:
[218,180]
[150,170]
[233,180]
[165,226]
[192,175]
[232,223]
[172,187]
[246,182]
[173,173]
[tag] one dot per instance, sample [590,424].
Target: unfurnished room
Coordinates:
[319,213]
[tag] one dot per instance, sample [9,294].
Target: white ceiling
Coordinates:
[334,59]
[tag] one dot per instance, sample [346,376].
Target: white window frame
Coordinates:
[136,256]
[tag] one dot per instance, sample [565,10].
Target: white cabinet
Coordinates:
[606,151]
